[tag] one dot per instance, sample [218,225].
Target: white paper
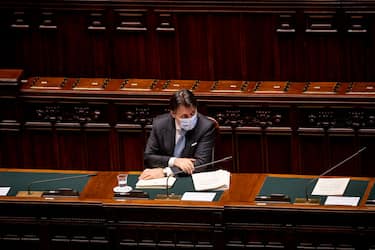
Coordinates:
[330,186]
[198,196]
[160,183]
[4,191]
[342,200]
[214,180]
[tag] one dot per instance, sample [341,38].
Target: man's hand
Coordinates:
[151,173]
[185,164]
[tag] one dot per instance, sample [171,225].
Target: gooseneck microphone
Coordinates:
[63,191]
[207,164]
[173,196]
[307,200]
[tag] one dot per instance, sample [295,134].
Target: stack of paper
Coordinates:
[214,180]
[160,183]
[334,188]
[330,186]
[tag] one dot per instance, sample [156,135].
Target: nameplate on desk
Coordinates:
[342,201]
[58,193]
[4,191]
[132,195]
[29,194]
[61,193]
[273,198]
[198,196]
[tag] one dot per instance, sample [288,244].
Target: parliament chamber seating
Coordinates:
[290,84]
[267,126]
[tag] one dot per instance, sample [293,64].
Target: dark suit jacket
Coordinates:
[160,144]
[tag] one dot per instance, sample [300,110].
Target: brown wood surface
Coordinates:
[243,189]
[95,220]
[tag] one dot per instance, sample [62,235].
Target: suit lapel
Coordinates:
[170,135]
[189,140]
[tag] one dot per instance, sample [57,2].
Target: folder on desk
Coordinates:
[160,183]
[213,180]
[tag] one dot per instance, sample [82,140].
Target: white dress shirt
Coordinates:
[171,160]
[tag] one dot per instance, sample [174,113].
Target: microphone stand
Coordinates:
[316,201]
[59,192]
[167,195]
[207,164]
[173,196]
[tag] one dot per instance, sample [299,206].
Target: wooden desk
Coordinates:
[96,221]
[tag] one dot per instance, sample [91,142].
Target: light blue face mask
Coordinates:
[189,123]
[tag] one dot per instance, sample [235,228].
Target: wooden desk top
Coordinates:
[242,192]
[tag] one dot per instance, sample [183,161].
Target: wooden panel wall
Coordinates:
[214,40]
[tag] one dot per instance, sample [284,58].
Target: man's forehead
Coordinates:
[185,110]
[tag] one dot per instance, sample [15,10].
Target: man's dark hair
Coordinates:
[182,97]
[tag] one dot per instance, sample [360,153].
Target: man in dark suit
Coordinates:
[179,140]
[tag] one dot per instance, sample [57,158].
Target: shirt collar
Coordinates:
[178,128]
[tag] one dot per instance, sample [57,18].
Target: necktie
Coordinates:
[180,144]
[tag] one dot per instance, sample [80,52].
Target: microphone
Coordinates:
[316,201]
[176,196]
[206,164]
[65,192]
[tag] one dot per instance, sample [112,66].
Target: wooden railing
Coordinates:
[267,126]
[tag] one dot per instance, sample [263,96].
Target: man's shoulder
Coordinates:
[205,119]
[206,122]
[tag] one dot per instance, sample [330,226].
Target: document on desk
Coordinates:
[4,191]
[330,186]
[342,201]
[198,196]
[214,180]
[160,183]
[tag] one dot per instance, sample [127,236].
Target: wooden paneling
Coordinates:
[39,147]
[192,45]
[262,40]
[72,149]
[11,148]
[367,160]
[132,142]
[225,137]
[339,146]
[249,152]
[98,145]
[313,153]
[279,154]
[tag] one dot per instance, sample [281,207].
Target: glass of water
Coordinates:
[122,180]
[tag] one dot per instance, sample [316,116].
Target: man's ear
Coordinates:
[173,114]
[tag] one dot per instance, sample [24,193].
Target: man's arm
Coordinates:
[160,142]
[152,155]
